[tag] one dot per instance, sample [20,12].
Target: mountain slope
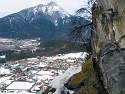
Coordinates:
[45,21]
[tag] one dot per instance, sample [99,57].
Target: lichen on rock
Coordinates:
[87,90]
[88,76]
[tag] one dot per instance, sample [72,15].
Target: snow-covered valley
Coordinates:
[34,75]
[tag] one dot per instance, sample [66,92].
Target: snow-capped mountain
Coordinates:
[45,21]
[52,11]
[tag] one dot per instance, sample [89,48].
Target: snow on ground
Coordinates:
[7,82]
[34,71]
[20,85]
[5,40]
[23,92]
[4,79]
[70,60]
[45,73]
[3,56]
[4,71]
[58,82]
[42,64]
[15,65]
[75,55]
[43,77]
[31,59]
[70,55]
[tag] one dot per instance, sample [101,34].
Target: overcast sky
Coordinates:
[12,6]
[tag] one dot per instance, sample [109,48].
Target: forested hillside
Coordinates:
[48,48]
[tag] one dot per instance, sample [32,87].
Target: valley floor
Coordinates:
[34,75]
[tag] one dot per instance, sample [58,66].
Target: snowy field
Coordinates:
[70,55]
[20,85]
[4,79]
[4,71]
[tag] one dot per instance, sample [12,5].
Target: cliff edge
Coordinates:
[104,75]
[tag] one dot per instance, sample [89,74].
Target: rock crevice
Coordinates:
[109,23]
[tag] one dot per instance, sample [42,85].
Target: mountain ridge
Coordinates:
[42,21]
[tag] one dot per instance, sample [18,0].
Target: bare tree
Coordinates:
[86,11]
[79,29]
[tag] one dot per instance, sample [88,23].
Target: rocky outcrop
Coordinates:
[87,81]
[109,23]
[112,65]
[105,73]
[109,41]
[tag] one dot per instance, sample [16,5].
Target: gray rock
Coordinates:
[112,66]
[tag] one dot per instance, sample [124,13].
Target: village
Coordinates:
[18,44]
[33,75]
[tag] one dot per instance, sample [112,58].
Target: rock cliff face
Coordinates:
[109,41]
[104,71]
[112,66]
[109,23]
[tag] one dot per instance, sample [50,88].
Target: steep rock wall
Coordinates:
[109,22]
[109,38]
[112,64]
[104,74]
